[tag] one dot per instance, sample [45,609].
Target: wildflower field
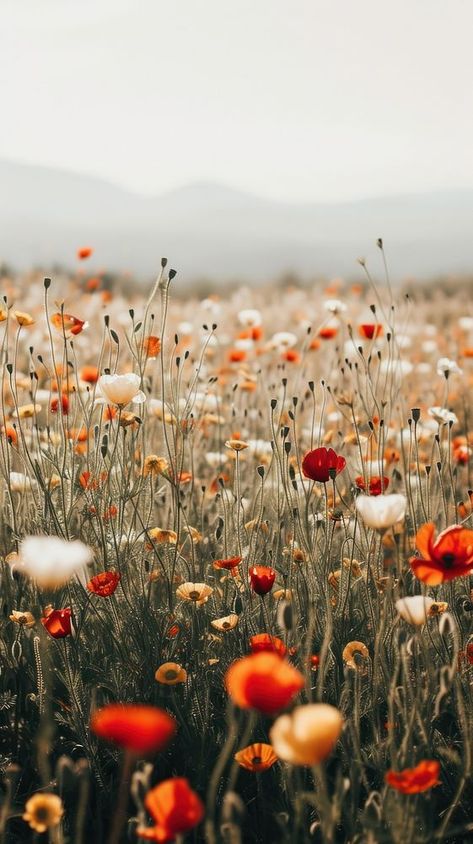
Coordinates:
[236,563]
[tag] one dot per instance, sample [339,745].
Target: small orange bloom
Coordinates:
[291,356]
[236,355]
[263,642]
[376,485]
[10,434]
[370,330]
[89,374]
[229,564]
[314,344]
[447,557]
[263,681]
[328,332]
[139,728]
[92,284]
[256,757]
[104,584]
[84,252]
[64,404]
[424,776]
[152,346]
[174,807]
[68,324]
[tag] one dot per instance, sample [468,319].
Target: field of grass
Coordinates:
[253,502]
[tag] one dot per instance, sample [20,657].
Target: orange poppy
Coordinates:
[152,346]
[370,330]
[328,332]
[139,728]
[84,252]
[104,584]
[10,434]
[229,564]
[291,356]
[256,757]
[64,404]
[175,807]
[236,355]
[424,776]
[92,284]
[447,557]
[263,681]
[376,485]
[68,324]
[263,642]
[89,374]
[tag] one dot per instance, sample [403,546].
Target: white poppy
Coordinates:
[442,415]
[381,511]
[446,367]
[121,389]
[52,561]
[250,318]
[414,609]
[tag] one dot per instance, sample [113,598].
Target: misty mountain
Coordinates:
[220,233]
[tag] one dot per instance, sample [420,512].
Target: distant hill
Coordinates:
[220,233]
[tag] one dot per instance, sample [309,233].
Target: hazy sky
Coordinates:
[292,99]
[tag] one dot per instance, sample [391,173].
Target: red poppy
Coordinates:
[84,252]
[328,332]
[10,434]
[104,584]
[314,661]
[370,330]
[152,346]
[264,643]
[89,374]
[64,404]
[262,579]
[139,728]
[264,682]
[376,485]
[424,776]
[174,807]
[228,564]
[57,622]
[92,284]
[67,323]
[318,464]
[447,557]
[291,356]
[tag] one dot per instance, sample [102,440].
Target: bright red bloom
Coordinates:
[228,564]
[318,463]
[139,728]
[415,780]
[376,485]
[370,330]
[84,252]
[90,374]
[262,579]
[447,557]
[104,584]
[264,643]
[264,682]
[328,332]
[175,808]
[57,622]
[64,404]
[67,323]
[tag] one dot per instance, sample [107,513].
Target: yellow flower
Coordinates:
[282,594]
[43,811]
[26,411]
[26,619]
[162,535]
[227,622]
[154,465]
[199,593]
[23,318]
[170,674]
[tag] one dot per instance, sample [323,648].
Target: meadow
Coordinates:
[236,561]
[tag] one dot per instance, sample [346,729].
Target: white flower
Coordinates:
[307,735]
[250,318]
[445,366]
[20,482]
[442,415]
[414,609]
[121,389]
[283,340]
[260,448]
[51,561]
[382,511]
[335,306]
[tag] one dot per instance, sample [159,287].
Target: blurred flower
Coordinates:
[89,374]
[307,735]
[263,681]
[414,609]
[334,306]
[43,811]
[262,579]
[370,330]
[104,584]
[174,807]
[229,564]
[321,462]
[121,389]
[139,728]
[27,411]
[154,465]
[152,346]
[227,622]
[236,445]
[25,619]
[256,757]
[376,485]
[23,318]
[84,252]
[20,482]
[57,622]
[265,643]
[199,593]
[161,535]
[447,557]
[52,561]
[424,776]
[63,402]
[382,511]
[250,317]
[442,415]
[446,367]
[67,324]
[283,340]
[170,674]
[352,650]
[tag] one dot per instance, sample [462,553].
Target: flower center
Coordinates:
[171,674]
[256,760]
[194,595]
[448,559]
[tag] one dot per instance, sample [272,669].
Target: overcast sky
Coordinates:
[291,99]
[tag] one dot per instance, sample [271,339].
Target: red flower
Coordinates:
[229,564]
[84,252]
[376,484]
[370,330]
[318,464]
[264,682]
[104,584]
[175,808]
[139,728]
[264,643]
[328,332]
[89,374]
[57,622]
[262,579]
[415,780]
[68,324]
[447,557]
[64,404]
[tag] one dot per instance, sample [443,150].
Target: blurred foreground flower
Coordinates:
[84,252]
[307,735]
[139,728]
[414,609]
[68,324]
[322,463]
[424,776]
[263,681]
[444,558]
[256,757]
[383,511]
[52,561]
[43,811]
[121,389]
[174,807]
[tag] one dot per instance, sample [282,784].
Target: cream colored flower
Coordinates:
[162,535]
[27,411]
[199,593]
[351,650]
[227,622]
[414,609]
[121,389]
[307,735]
[25,619]
[381,511]
[43,811]
[170,674]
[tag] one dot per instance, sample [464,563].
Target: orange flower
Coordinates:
[291,356]
[89,374]
[64,404]
[84,252]
[68,324]
[424,776]
[370,330]
[263,681]
[152,346]
[10,434]
[262,579]
[229,564]
[256,757]
[447,557]
[236,355]
[174,807]
[328,332]
[57,622]
[104,584]
[376,485]
[139,728]
[263,642]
